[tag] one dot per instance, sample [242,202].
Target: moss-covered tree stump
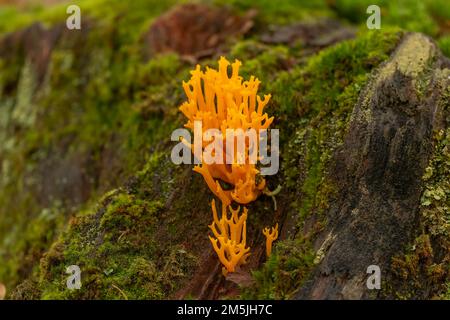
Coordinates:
[86,177]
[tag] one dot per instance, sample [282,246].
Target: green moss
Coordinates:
[264,61]
[415,266]
[411,15]
[119,255]
[159,70]
[285,271]
[134,15]
[23,247]
[123,213]
[439,9]
[281,12]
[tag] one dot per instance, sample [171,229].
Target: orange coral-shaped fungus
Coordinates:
[226,102]
[230,233]
[271,236]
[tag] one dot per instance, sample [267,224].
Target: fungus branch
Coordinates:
[230,237]
[271,236]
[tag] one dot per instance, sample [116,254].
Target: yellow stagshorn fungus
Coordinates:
[271,236]
[230,237]
[222,102]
